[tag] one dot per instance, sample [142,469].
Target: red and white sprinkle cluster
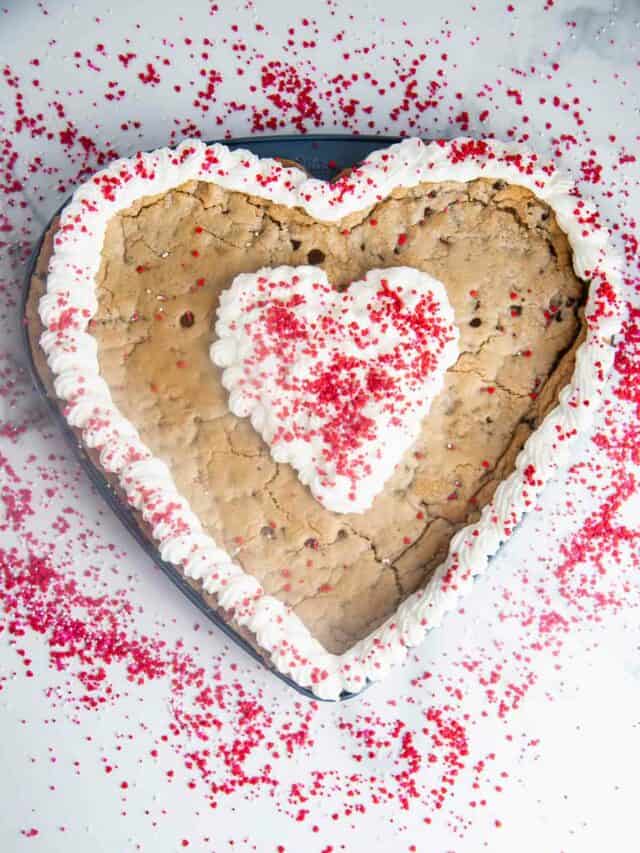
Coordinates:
[336,383]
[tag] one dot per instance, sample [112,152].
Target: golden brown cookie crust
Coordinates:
[507,270]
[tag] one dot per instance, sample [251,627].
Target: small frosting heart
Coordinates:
[336,383]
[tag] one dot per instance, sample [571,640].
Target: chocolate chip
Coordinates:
[499,185]
[342,534]
[187,320]
[544,215]
[427,212]
[445,240]
[559,317]
[552,249]
[475,322]
[267,531]
[570,301]
[315,257]
[295,244]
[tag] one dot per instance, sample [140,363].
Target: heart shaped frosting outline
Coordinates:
[315,300]
[70,301]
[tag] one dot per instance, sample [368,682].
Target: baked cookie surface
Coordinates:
[507,270]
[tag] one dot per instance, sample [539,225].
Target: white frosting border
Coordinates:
[70,301]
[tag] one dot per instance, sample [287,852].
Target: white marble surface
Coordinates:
[566,756]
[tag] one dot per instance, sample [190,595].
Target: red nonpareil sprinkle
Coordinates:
[149,76]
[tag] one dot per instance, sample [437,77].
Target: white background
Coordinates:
[567,757]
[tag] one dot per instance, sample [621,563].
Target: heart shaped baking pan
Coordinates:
[119,331]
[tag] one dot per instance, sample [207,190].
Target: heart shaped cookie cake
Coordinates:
[329,403]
